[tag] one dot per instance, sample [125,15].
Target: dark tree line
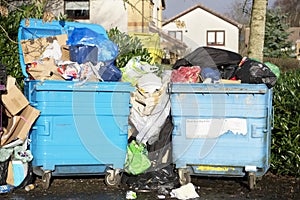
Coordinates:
[292,9]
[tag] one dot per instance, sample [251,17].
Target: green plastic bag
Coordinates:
[137,160]
[274,68]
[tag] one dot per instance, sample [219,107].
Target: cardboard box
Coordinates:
[33,49]
[20,125]
[14,100]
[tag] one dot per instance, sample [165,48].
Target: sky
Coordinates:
[174,7]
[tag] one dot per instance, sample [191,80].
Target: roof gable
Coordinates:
[200,6]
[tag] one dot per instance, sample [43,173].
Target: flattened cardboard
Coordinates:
[45,70]
[10,174]
[11,126]
[21,130]
[65,52]
[14,100]
[33,49]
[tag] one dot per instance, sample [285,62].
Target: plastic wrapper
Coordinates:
[107,50]
[186,74]
[137,160]
[135,69]
[149,126]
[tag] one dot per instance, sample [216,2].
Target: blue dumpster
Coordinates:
[221,130]
[82,128]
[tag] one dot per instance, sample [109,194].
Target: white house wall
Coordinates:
[108,13]
[197,22]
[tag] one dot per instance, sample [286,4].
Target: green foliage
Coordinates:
[9,38]
[285,156]
[276,44]
[128,47]
[285,64]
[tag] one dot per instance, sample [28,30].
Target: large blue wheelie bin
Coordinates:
[221,130]
[82,128]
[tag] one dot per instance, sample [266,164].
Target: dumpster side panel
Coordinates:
[221,125]
[79,126]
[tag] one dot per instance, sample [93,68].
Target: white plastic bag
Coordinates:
[135,69]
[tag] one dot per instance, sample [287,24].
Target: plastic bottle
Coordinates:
[5,188]
[29,187]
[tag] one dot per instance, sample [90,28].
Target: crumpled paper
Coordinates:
[184,192]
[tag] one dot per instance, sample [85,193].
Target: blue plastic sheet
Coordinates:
[207,72]
[107,50]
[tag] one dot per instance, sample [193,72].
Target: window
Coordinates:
[215,38]
[176,34]
[78,9]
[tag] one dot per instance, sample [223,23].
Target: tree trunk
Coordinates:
[257,29]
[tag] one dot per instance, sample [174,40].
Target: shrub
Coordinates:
[285,64]
[9,38]
[285,156]
[128,47]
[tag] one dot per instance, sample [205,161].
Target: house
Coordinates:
[201,26]
[128,16]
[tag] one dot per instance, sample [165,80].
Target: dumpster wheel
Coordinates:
[251,180]
[112,178]
[184,176]
[46,177]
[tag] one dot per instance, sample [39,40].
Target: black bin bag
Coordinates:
[209,57]
[255,72]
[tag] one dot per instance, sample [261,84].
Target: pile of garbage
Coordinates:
[84,55]
[149,162]
[213,65]
[17,117]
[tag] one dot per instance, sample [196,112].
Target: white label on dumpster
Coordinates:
[212,128]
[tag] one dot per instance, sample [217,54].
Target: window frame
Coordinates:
[177,31]
[74,16]
[215,35]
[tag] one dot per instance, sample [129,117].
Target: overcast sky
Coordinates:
[174,7]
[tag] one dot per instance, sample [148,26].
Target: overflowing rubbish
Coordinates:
[218,66]
[209,57]
[135,69]
[17,117]
[163,180]
[6,188]
[29,187]
[186,74]
[252,71]
[160,196]
[82,55]
[87,55]
[137,160]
